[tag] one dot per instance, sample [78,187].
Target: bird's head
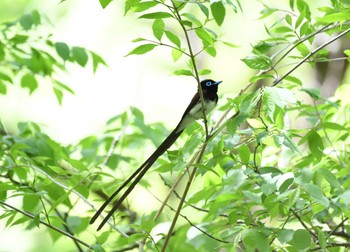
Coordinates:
[210,85]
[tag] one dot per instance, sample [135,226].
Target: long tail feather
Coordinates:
[136,177]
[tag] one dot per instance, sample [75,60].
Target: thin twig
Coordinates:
[31,216]
[309,55]
[193,60]
[303,223]
[189,182]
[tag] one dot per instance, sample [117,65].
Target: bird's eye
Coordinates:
[208,83]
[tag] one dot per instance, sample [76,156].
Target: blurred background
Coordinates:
[143,81]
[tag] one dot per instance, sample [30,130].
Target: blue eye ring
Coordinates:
[208,83]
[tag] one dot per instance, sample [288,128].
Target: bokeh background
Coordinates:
[143,81]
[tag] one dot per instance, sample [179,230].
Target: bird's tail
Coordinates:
[136,177]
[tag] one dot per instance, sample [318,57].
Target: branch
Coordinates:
[192,57]
[309,55]
[29,215]
[189,182]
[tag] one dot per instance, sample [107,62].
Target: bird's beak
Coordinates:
[217,83]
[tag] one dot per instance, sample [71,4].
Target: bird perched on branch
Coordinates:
[193,112]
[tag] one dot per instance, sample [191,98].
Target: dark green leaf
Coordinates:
[29,81]
[218,11]
[80,55]
[62,50]
[156,15]
[158,28]
[142,49]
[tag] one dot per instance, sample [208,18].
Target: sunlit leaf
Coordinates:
[29,81]
[80,55]
[142,49]
[158,28]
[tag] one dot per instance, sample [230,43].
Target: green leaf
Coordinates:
[285,235]
[30,201]
[176,54]
[315,144]
[36,17]
[142,49]
[210,50]
[293,80]
[218,11]
[280,96]
[252,196]
[316,194]
[158,28]
[204,9]
[130,4]
[3,88]
[29,81]
[204,72]
[173,38]
[230,44]
[250,102]
[5,77]
[96,61]
[244,154]
[322,238]
[105,3]
[59,95]
[204,36]
[258,62]
[26,21]
[304,9]
[80,55]
[335,17]
[301,240]
[142,6]
[64,87]
[346,197]
[156,15]
[62,50]
[183,72]
[192,18]
[253,240]
[330,177]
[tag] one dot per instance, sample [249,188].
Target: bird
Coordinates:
[193,112]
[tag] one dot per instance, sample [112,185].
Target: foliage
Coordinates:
[272,174]
[31,57]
